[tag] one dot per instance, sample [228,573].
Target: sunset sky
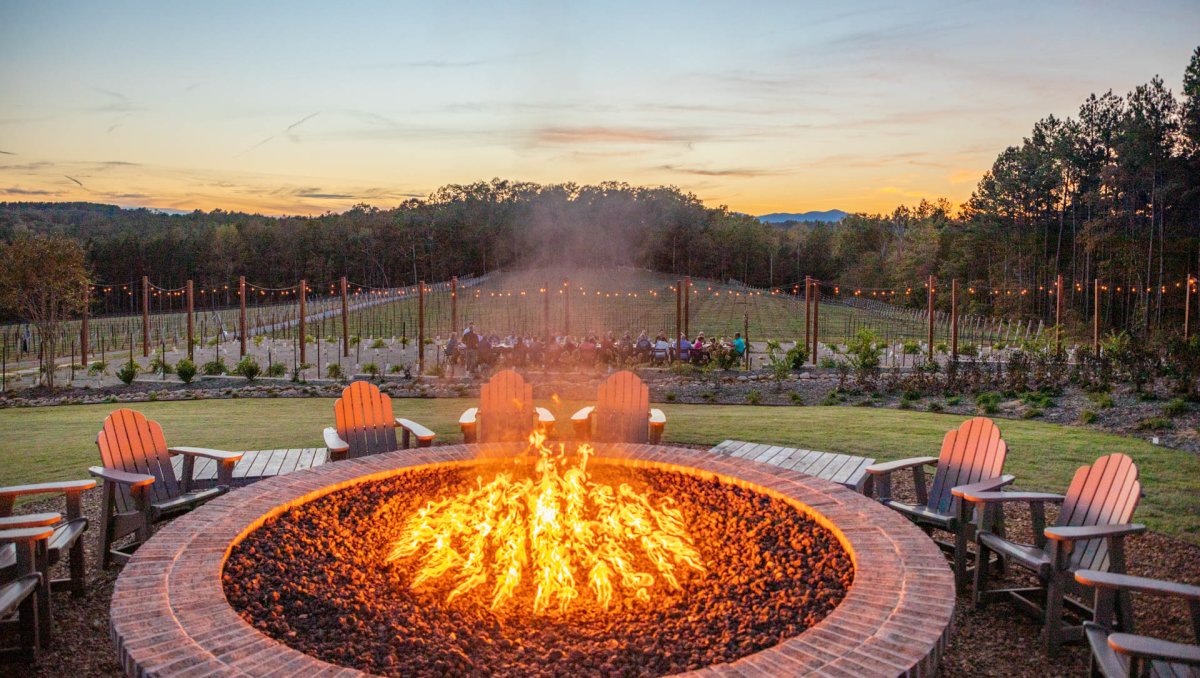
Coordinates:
[303,108]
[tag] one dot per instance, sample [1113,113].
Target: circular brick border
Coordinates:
[169,615]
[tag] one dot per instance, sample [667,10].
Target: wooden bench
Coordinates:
[843,469]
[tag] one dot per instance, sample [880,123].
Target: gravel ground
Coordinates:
[995,641]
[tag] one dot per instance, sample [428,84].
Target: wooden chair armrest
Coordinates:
[583,413]
[1003,497]
[468,417]
[1129,582]
[218,455]
[334,442]
[26,534]
[544,415]
[899,465]
[66,486]
[421,432]
[30,520]
[989,485]
[121,477]
[1093,531]
[1153,648]
[657,416]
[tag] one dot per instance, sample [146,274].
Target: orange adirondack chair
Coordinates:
[1090,535]
[366,425]
[505,413]
[973,456]
[140,487]
[622,413]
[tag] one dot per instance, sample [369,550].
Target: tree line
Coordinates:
[1112,193]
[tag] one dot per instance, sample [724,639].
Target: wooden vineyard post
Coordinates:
[345,321]
[816,319]
[1187,309]
[546,310]
[1096,316]
[83,324]
[687,305]
[567,307]
[191,323]
[303,292]
[420,327]
[930,328]
[454,306]
[145,317]
[807,308]
[678,315]
[242,314]
[1058,302]
[954,320]
[746,335]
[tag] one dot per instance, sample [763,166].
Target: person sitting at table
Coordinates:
[685,349]
[699,350]
[739,344]
[642,347]
[587,351]
[662,350]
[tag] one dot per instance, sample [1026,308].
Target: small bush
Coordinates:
[954,401]
[754,397]
[186,370]
[828,363]
[277,370]
[248,367]
[258,340]
[969,350]
[1031,413]
[98,368]
[370,369]
[214,341]
[153,397]
[128,371]
[830,400]
[797,399]
[905,404]
[1102,400]
[935,406]
[708,396]
[1087,417]
[682,369]
[670,397]
[941,347]
[988,403]
[1175,407]
[160,366]
[910,347]
[214,368]
[334,371]
[1154,424]
[378,343]
[797,356]
[355,340]
[396,369]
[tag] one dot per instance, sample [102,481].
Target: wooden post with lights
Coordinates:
[930,324]
[191,320]
[345,320]
[145,317]
[816,319]
[807,308]
[1187,309]
[242,314]
[687,305]
[454,306]
[678,315]
[420,327]
[1058,304]
[303,292]
[567,307]
[83,324]
[953,320]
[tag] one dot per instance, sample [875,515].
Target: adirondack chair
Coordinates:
[622,413]
[1089,535]
[21,608]
[973,456]
[140,487]
[1119,655]
[366,425]
[66,538]
[505,413]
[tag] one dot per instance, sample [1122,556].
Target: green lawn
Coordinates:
[58,442]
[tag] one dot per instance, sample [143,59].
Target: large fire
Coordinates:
[557,528]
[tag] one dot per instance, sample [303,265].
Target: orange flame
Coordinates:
[556,529]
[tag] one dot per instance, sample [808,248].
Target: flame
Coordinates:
[559,531]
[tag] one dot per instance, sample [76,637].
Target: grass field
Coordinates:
[54,443]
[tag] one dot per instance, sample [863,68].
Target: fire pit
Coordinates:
[490,560]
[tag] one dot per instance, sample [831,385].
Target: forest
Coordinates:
[1112,193]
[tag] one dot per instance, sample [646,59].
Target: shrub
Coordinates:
[830,400]
[186,370]
[905,404]
[153,397]
[935,406]
[682,369]
[1087,417]
[396,369]
[954,401]
[988,403]
[214,368]
[1175,407]
[1102,400]
[797,399]
[828,363]
[248,367]
[797,356]
[160,366]
[941,347]
[128,371]
[98,368]
[1031,413]
[370,369]
[214,341]
[910,347]
[378,343]
[865,351]
[355,340]
[753,397]
[1153,424]
[969,350]
[708,396]
[258,340]
[334,371]
[670,397]
[276,370]
[405,341]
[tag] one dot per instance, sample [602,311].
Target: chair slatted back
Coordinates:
[132,443]
[506,409]
[622,413]
[1105,493]
[365,420]
[971,453]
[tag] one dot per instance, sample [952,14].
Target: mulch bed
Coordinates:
[995,641]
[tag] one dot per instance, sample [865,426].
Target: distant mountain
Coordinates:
[782,217]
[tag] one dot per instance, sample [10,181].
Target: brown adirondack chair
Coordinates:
[1119,655]
[505,413]
[21,608]
[140,487]
[366,425]
[973,456]
[1089,535]
[622,413]
[66,538]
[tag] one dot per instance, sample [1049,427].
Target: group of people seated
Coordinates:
[474,350]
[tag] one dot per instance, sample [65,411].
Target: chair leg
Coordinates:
[960,558]
[405,439]
[41,559]
[106,527]
[28,625]
[982,557]
[1052,631]
[78,568]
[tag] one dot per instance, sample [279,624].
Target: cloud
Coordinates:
[287,131]
[7,153]
[625,135]
[12,190]
[745,172]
